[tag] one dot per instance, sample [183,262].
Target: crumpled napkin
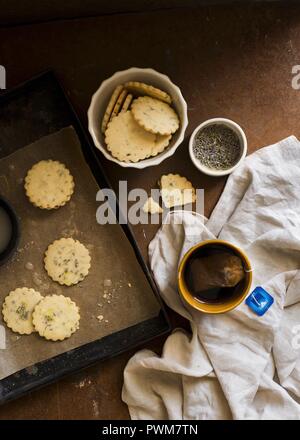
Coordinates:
[236,365]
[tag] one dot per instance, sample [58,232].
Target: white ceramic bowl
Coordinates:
[242,138]
[102,95]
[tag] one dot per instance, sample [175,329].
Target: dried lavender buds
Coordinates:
[217,146]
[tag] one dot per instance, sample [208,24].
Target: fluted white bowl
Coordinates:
[101,98]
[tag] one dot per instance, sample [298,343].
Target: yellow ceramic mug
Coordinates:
[220,307]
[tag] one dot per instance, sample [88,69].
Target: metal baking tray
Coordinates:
[28,112]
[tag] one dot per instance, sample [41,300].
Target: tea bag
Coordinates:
[218,270]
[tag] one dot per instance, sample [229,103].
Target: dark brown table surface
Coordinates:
[230,61]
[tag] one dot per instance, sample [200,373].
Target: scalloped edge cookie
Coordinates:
[18,308]
[120,101]
[176,190]
[110,106]
[67,261]
[155,116]
[140,88]
[56,317]
[127,141]
[127,102]
[49,184]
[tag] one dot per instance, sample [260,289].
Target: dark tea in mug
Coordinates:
[215,273]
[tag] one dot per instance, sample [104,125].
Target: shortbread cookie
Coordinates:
[56,317]
[118,104]
[17,309]
[49,184]
[110,106]
[176,190]
[127,103]
[155,116]
[152,207]
[129,142]
[67,261]
[141,89]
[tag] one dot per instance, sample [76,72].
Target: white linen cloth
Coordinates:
[226,368]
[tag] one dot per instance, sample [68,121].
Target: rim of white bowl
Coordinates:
[156,160]
[229,123]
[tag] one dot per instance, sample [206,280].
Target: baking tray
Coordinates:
[37,108]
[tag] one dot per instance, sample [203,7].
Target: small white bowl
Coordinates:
[230,124]
[102,95]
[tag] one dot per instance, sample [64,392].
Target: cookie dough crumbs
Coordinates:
[37,279]
[83,383]
[107,283]
[15,338]
[29,266]
[100,317]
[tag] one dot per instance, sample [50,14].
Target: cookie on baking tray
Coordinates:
[67,261]
[49,184]
[56,317]
[129,142]
[18,308]
[155,116]
[141,89]
[176,190]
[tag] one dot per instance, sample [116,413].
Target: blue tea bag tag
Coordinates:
[259,301]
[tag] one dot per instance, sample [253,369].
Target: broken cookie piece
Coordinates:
[152,207]
[176,190]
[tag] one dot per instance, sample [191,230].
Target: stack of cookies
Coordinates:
[138,122]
